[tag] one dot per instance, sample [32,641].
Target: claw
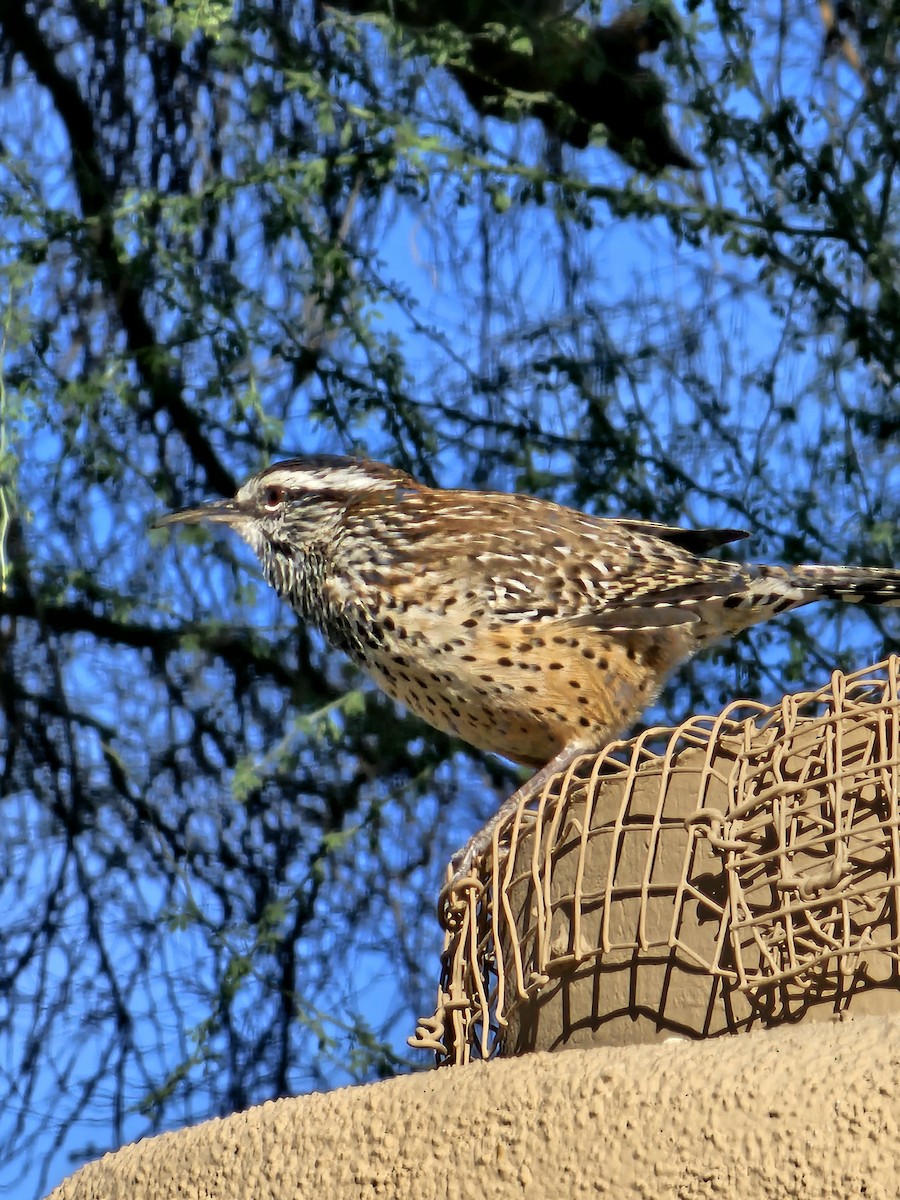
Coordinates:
[454,897]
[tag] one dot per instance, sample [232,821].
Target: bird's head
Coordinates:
[289,506]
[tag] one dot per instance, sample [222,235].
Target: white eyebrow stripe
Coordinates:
[317,479]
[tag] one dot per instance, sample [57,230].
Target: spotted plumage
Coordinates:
[524,627]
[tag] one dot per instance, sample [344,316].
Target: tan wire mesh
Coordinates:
[739,870]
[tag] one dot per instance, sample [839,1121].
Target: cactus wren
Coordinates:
[523,627]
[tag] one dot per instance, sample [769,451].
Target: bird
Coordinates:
[519,625]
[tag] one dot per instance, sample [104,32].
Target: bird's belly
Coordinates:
[480,713]
[526,694]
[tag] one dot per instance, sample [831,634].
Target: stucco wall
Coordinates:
[805,1112]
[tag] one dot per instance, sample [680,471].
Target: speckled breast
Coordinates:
[524,692]
[473,705]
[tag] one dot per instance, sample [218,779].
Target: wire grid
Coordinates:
[760,847]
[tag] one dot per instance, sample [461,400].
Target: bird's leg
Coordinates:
[463,860]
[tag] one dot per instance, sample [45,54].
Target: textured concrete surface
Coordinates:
[808,1113]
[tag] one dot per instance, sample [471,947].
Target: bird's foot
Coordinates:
[463,878]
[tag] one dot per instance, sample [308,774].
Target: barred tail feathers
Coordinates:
[756,593]
[851,585]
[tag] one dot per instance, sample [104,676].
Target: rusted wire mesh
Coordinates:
[738,870]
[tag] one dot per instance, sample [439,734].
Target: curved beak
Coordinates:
[223,512]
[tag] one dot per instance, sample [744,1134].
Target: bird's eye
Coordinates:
[273,496]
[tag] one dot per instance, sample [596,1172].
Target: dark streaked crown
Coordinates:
[324,477]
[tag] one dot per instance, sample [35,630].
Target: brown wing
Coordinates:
[695,541]
[521,558]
